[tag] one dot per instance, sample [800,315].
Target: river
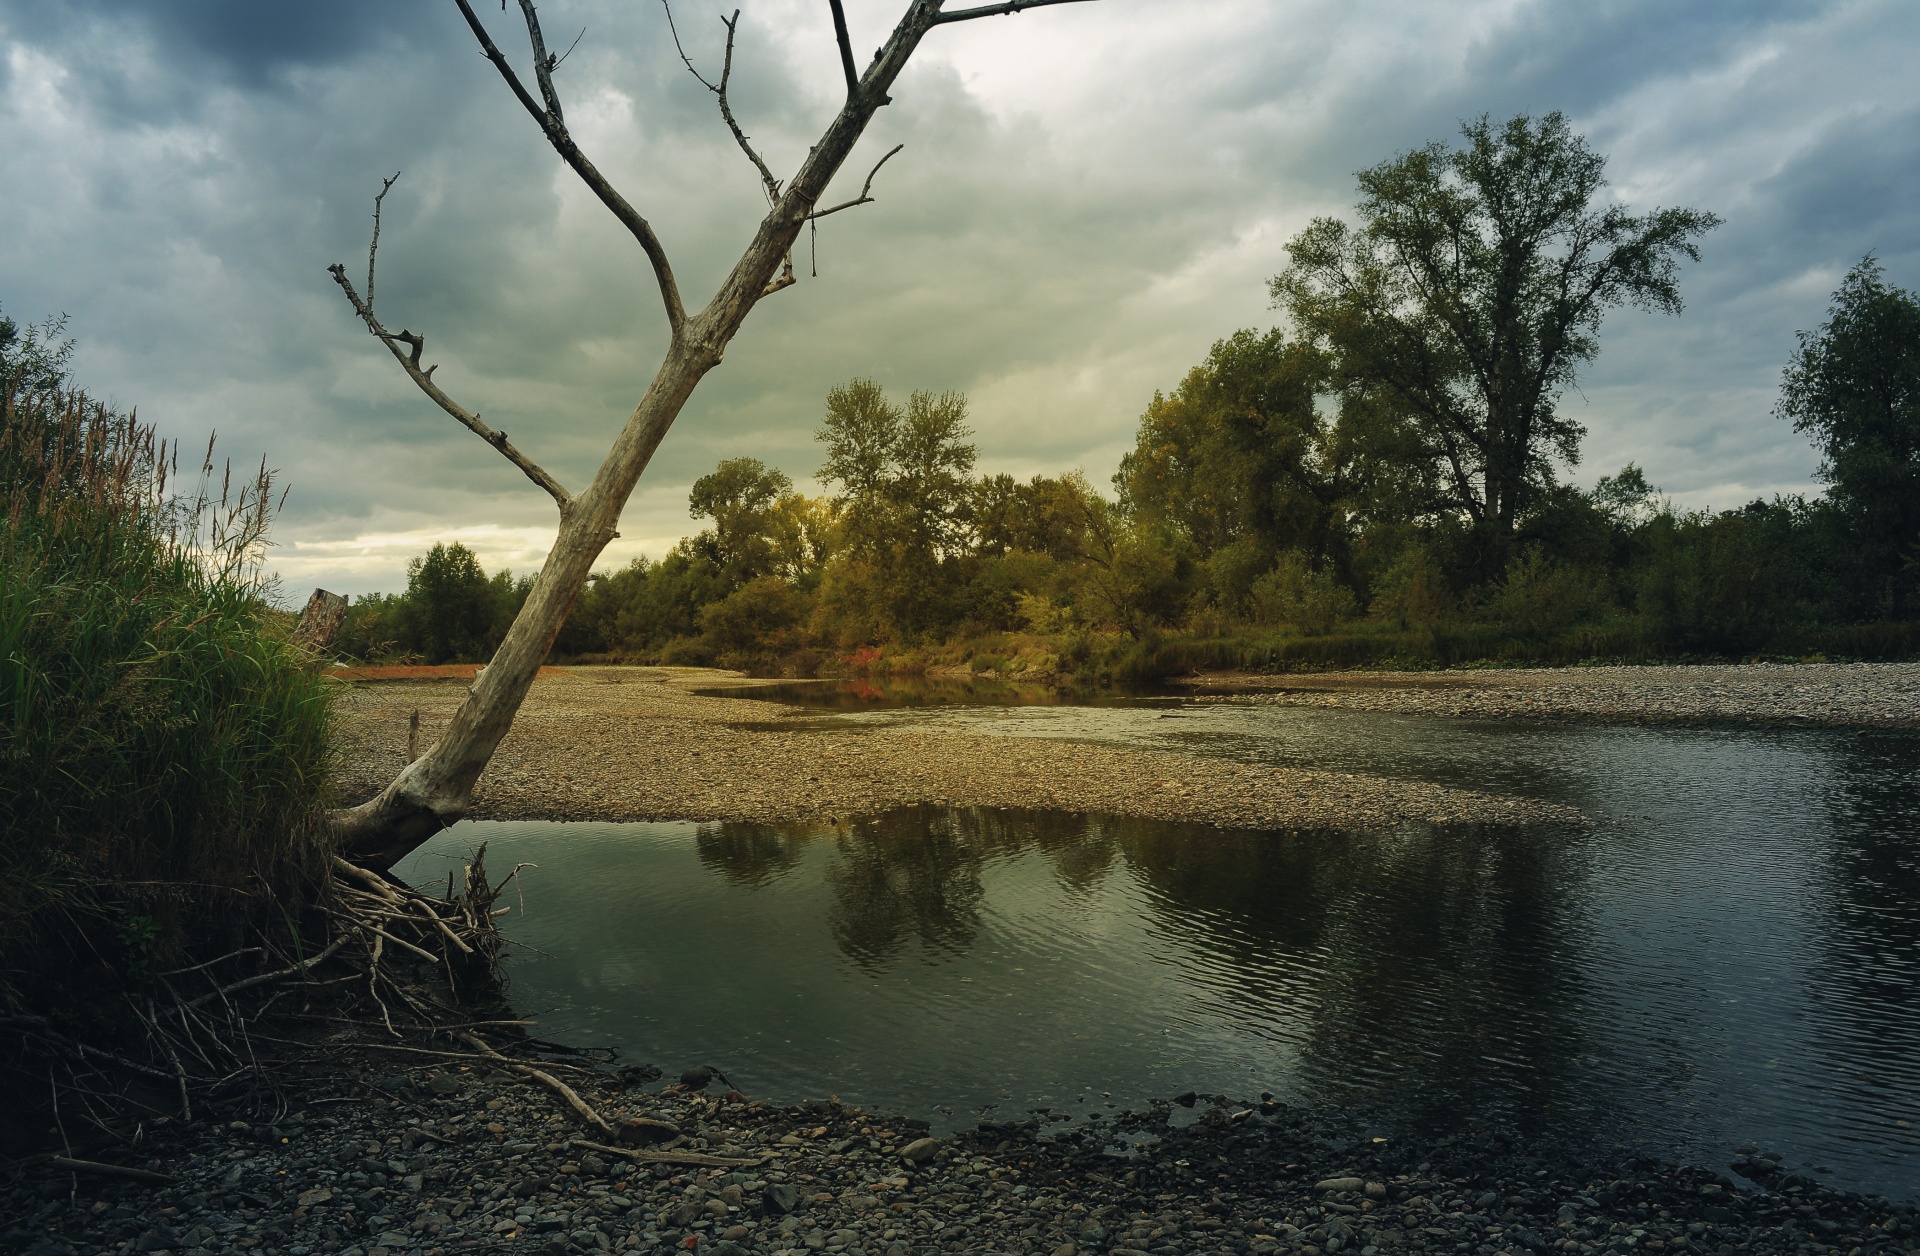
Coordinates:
[1728,955]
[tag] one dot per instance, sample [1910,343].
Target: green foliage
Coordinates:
[452,612]
[163,749]
[1294,593]
[1470,294]
[1855,385]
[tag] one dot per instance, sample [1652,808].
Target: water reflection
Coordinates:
[1731,956]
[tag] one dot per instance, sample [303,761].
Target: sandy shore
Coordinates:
[633,743]
[1882,695]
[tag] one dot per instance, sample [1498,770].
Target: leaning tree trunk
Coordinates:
[433,791]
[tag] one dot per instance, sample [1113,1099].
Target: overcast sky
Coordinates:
[1089,196]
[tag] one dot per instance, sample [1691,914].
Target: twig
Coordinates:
[109,1170]
[181,972]
[423,379]
[672,1157]
[294,970]
[768,184]
[993,10]
[565,1091]
[386,186]
[865,197]
[554,125]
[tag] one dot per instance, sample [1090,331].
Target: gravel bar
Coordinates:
[635,743]
[1873,695]
[447,1158]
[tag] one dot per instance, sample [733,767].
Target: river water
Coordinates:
[1728,955]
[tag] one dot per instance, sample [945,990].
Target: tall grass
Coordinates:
[163,748]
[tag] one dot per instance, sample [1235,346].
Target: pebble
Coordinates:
[634,743]
[1878,695]
[1242,1180]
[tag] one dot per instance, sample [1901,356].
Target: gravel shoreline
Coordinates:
[452,1158]
[634,743]
[1871,695]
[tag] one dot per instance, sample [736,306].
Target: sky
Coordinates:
[1089,196]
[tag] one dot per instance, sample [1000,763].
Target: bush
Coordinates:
[1294,593]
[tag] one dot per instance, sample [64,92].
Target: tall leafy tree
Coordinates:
[904,475]
[450,604]
[1244,456]
[741,496]
[1472,290]
[1855,385]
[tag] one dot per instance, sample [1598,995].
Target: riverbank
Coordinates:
[1867,695]
[369,1157]
[636,743]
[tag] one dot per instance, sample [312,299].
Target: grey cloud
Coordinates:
[1057,244]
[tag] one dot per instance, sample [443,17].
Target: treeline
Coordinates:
[1384,482]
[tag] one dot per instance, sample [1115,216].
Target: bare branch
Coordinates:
[562,58]
[768,183]
[409,360]
[554,125]
[865,197]
[995,10]
[846,49]
[386,185]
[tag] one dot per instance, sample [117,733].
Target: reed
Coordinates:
[164,753]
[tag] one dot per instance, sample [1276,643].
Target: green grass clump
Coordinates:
[163,748]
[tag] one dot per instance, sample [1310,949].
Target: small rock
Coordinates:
[920,1150]
[1187,1100]
[444,1084]
[318,1195]
[1376,1190]
[1340,1184]
[780,1197]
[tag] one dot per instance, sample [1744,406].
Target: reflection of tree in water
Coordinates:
[1869,933]
[1430,965]
[914,875]
[750,854]
[907,875]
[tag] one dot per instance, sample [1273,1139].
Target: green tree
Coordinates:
[742,497]
[1473,290]
[1244,462]
[1855,385]
[904,474]
[450,605]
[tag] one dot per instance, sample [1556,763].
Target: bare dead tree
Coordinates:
[432,791]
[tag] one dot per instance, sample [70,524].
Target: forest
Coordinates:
[1388,480]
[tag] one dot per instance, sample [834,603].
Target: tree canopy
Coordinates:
[1471,292]
[1855,386]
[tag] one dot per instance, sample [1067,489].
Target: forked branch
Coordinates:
[996,10]
[768,183]
[409,360]
[554,124]
[866,191]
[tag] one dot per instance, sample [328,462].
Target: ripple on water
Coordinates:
[1732,955]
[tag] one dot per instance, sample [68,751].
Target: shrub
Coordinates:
[1294,593]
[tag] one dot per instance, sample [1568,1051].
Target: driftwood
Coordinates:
[672,1157]
[99,1169]
[574,1101]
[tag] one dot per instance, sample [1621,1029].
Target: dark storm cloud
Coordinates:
[1088,198]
